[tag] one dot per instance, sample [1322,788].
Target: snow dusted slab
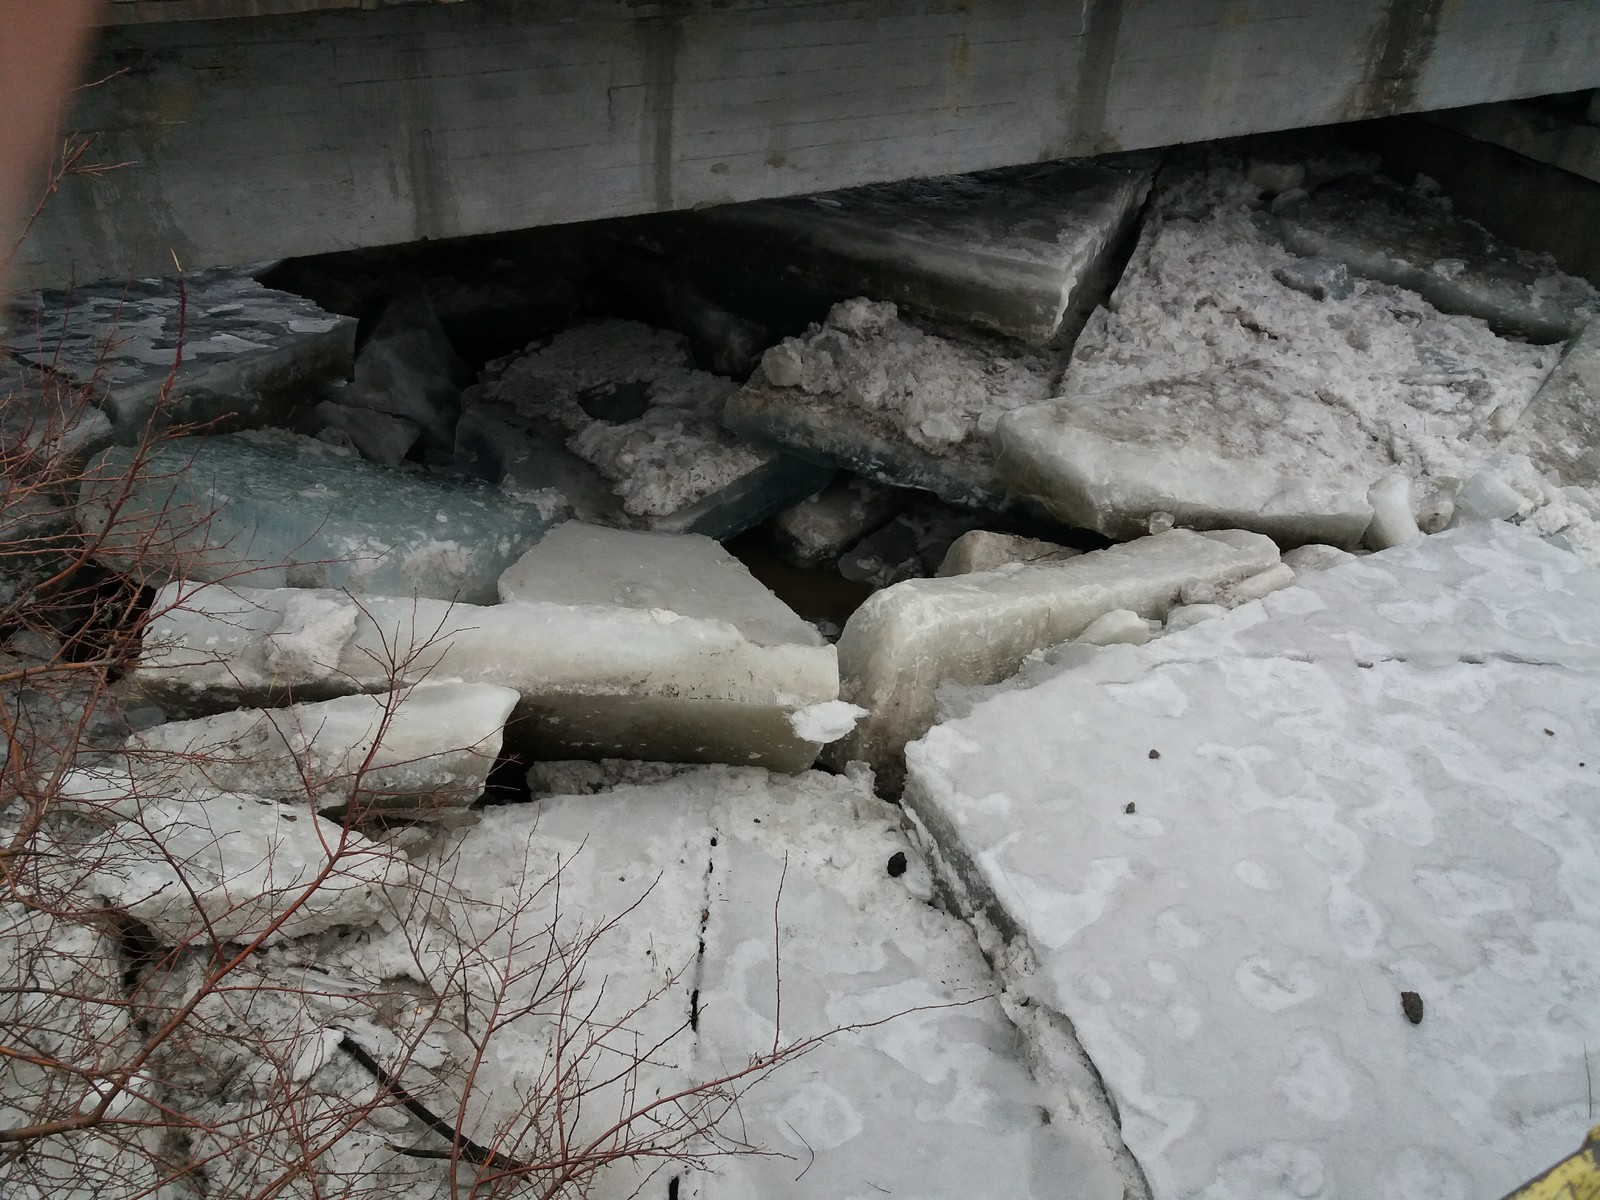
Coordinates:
[905,641]
[933,1104]
[417,753]
[596,681]
[276,510]
[1415,240]
[1020,252]
[632,405]
[871,393]
[1220,385]
[1225,450]
[982,550]
[1226,856]
[251,355]
[228,867]
[692,576]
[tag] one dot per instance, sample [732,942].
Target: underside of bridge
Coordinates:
[259,129]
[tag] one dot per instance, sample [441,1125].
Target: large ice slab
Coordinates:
[1019,251]
[1228,853]
[872,393]
[249,355]
[686,574]
[1412,238]
[277,510]
[1225,383]
[630,403]
[596,681]
[976,629]
[417,753]
[935,1103]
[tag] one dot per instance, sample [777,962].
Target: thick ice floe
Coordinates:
[1223,857]
[274,509]
[596,680]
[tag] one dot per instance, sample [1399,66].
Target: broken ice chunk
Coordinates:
[1560,427]
[827,722]
[1407,237]
[1216,451]
[878,396]
[1313,557]
[596,680]
[234,868]
[1022,251]
[1393,523]
[686,574]
[1188,615]
[911,546]
[374,435]
[1486,497]
[1120,626]
[278,509]
[415,752]
[816,531]
[631,405]
[975,629]
[1273,579]
[408,368]
[983,550]
[250,355]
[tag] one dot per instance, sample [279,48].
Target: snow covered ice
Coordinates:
[1222,857]
[1212,390]
[634,407]
[935,1103]
[230,867]
[1021,251]
[251,356]
[275,509]
[870,392]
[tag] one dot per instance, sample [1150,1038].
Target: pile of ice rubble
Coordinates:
[1231,651]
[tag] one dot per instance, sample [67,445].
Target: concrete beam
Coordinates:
[297,134]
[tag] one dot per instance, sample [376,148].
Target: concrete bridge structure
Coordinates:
[256,129]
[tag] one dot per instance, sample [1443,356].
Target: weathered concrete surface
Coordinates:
[334,129]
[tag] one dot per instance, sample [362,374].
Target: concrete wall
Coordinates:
[279,135]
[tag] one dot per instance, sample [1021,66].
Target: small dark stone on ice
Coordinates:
[1550,733]
[1129,808]
[1155,754]
[897,864]
[1411,1005]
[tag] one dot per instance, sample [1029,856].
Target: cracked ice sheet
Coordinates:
[1382,780]
[933,1104]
